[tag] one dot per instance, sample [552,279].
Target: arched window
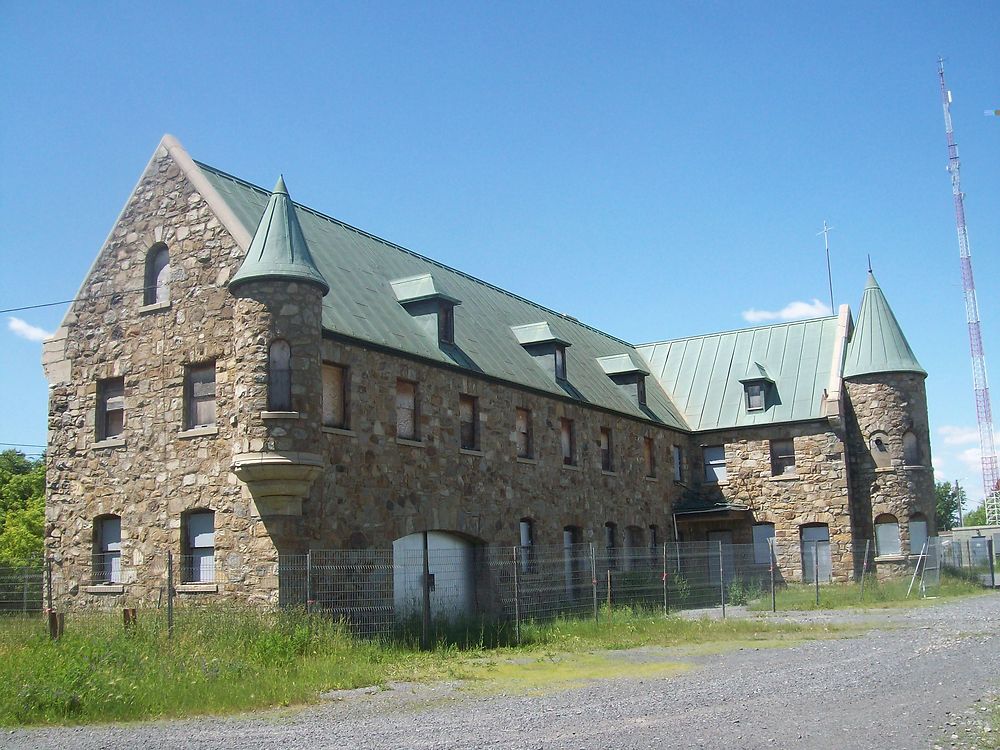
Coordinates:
[157,284]
[879,445]
[918,533]
[279,376]
[107,566]
[887,535]
[911,450]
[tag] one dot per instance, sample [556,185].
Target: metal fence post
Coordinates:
[989,556]
[517,595]
[425,620]
[170,594]
[666,585]
[816,569]
[593,579]
[773,561]
[48,581]
[864,568]
[309,568]
[722,581]
[610,601]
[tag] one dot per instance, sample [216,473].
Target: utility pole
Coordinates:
[958,496]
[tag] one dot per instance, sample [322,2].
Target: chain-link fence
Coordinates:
[435,589]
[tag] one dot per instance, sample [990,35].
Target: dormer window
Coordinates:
[755,387]
[628,372]
[434,310]
[547,348]
[755,396]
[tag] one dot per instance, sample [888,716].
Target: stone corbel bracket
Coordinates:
[278,481]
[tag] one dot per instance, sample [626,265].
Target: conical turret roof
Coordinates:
[878,343]
[279,249]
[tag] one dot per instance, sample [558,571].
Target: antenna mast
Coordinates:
[984,412]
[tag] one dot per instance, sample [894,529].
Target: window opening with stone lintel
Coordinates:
[468,420]
[279,376]
[678,456]
[522,428]
[607,450]
[157,276]
[107,549]
[335,401]
[200,395]
[198,553]
[649,456]
[715,463]
[407,410]
[527,539]
[783,458]
[110,420]
[567,441]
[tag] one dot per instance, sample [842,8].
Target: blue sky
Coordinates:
[656,170]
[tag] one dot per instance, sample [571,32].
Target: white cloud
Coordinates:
[26,331]
[792,311]
[953,435]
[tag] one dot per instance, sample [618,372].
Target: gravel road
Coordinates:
[895,686]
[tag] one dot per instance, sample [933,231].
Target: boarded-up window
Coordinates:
[782,457]
[649,455]
[715,463]
[108,549]
[567,441]
[560,362]
[446,324]
[406,410]
[335,396]
[468,420]
[678,456]
[157,285]
[200,383]
[887,535]
[607,456]
[198,562]
[522,428]
[763,533]
[611,544]
[918,533]
[755,396]
[279,376]
[911,450]
[110,408]
[527,529]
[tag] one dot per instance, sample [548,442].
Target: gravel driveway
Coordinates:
[893,687]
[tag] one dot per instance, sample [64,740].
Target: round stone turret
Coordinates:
[278,372]
[888,433]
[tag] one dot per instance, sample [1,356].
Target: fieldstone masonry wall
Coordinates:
[891,403]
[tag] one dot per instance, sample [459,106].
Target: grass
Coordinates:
[226,660]
[888,593]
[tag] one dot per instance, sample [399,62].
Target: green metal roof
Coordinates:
[703,374]
[878,343]
[360,269]
[279,249]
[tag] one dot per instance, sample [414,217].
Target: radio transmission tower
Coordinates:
[984,412]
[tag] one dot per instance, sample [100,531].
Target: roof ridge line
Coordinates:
[415,254]
[734,330]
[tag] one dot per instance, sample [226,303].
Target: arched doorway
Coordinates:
[451,564]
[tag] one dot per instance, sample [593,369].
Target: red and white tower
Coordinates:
[984,411]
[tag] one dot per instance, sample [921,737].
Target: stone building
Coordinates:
[243,377]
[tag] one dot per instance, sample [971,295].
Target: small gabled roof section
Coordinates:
[278,249]
[537,333]
[878,343]
[623,364]
[757,373]
[418,288]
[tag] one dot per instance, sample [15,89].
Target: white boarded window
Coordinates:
[887,535]
[335,396]
[715,463]
[200,383]
[918,533]
[763,533]
[567,441]
[279,376]
[110,408]
[157,284]
[522,427]
[782,457]
[607,454]
[108,550]
[406,410]
[198,562]
[678,455]
[468,420]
